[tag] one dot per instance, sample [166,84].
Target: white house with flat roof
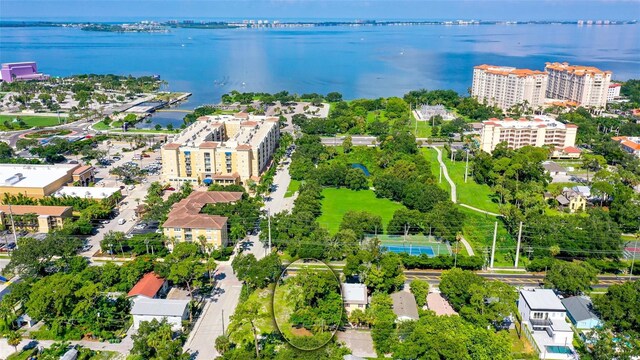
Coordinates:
[35,181]
[174,311]
[544,319]
[354,297]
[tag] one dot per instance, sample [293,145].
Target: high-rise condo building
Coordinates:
[504,86]
[227,149]
[540,131]
[586,85]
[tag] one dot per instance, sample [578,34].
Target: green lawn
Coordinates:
[520,347]
[294,185]
[432,156]
[101,126]
[337,202]
[470,193]
[379,114]
[32,120]
[478,231]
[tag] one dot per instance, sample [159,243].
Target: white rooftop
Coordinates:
[250,131]
[37,176]
[159,307]
[87,192]
[537,121]
[354,293]
[542,299]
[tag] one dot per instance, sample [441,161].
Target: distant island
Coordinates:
[153,26]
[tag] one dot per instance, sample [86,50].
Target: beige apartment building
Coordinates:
[586,85]
[504,86]
[540,131]
[185,221]
[40,219]
[228,149]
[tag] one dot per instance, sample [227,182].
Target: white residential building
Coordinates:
[544,320]
[175,311]
[354,297]
[585,85]
[505,86]
[614,91]
[540,131]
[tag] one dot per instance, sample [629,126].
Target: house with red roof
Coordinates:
[151,286]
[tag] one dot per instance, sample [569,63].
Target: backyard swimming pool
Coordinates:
[559,350]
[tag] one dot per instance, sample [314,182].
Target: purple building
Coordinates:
[11,72]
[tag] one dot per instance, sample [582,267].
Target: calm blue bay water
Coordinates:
[356,61]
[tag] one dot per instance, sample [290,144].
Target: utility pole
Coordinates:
[518,245]
[269,222]
[493,247]
[466,167]
[485,251]
[13,228]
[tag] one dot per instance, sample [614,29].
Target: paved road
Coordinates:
[366,140]
[222,302]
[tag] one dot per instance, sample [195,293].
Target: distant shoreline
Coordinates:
[151,26]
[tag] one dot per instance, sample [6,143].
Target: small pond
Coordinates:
[361,167]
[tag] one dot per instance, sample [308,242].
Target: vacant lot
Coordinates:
[337,202]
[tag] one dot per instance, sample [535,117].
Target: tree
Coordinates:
[245,320]
[356,180]
[383,319]
[571,278]
[33,256]
[454,285]
[334,97]
[619,306]
[448,337]
[13,339]
[154,340]
[420,290]
[185,267]
[386,276]
[222,344]
[362,223]
[347,143]
[423,197]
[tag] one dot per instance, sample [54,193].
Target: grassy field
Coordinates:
[294,185]
[379,114]
[31,120]
[470,193]
[478,230]
[432,156]
[337,202]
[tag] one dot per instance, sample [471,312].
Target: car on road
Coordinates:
[122,221]
[170,189]
[105,222]
[131,187]
[87,247]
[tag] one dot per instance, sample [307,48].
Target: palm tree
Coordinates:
[14,339]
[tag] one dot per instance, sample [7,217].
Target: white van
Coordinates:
[121,221]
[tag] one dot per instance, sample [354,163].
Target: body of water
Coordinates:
[356,61]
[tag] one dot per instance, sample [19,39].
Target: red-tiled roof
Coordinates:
[631,145]
[249,123]
[186,213]
[243,147]
[37,209]
[148,286]
[171,146]
[82,169]
[572,150]
[208,145]
[242,115]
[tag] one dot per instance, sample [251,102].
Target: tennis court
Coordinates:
[413,245]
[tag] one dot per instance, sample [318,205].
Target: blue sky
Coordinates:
[121,10]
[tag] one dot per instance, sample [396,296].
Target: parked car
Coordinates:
[87,247]
[122,221]
[170,189]
[146,155]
